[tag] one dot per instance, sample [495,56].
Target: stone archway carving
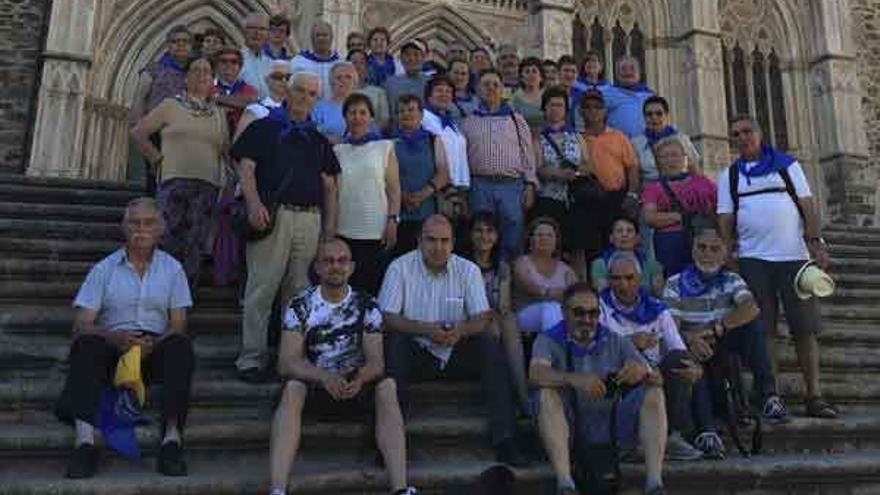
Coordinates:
[438,22]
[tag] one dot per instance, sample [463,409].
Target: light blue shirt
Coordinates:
[625,109]
[125,301]
[327,115]
[254,70]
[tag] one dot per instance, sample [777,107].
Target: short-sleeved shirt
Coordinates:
[650,269]
[625,108]
[254,70]
[416,293]
[693,312]
[769,226]
[333,341]
[612,155]
[455,146]
[663,326]
[500,146]
[696,194]
[126,301]
[311,155]
[647,162]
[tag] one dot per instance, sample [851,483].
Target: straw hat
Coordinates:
[811,281]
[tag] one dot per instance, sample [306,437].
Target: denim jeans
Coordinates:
[504,199]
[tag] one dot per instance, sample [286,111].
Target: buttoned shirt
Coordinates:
[500,146]
[416,293]
[125,300]
[254,70]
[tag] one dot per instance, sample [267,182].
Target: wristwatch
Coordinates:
[447,326]
[820,240]
[394,218]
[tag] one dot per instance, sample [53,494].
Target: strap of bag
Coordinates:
[733,179]
[522,151]
[676,204]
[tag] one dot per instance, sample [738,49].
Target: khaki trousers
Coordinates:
[278,262]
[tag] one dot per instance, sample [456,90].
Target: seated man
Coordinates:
[438,319]
[596,354]
[136,296]
[714,306]
[629,310]
[331,352]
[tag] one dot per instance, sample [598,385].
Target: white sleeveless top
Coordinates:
[363,205]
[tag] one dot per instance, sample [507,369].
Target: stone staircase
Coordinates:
[51,231]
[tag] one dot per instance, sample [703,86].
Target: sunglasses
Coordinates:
[584,312]
[279,77]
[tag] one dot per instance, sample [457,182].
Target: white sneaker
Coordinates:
[407,491]
[678,449]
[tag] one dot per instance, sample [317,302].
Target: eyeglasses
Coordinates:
[744,132]
[580,312]
[277,76]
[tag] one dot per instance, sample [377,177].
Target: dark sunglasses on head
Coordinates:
[279,76]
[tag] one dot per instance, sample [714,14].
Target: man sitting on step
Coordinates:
[136,296]
[331,354]
[577,355]
[714,307]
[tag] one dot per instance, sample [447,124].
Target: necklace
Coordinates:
[200,109]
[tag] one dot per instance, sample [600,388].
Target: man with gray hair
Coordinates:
[256,63]
[626,97]
[508,64]
[320,59]
[135,297]
[289,180]
[629,310]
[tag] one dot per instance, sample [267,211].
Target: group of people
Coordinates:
[435,216]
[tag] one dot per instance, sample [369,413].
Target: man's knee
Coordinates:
[386,394]
[654,401]
[549,401]
[294,393]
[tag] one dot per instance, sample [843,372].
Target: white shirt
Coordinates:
[254,70]
[363,203]
[768,225]
[455,146]
[663,327]
[261,109]
[414,292]
[321,69]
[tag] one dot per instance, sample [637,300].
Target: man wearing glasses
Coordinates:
[256,62]
[574,353]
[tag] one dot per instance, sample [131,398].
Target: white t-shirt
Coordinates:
[301,63]
[261,110]
[663,327]
[455,146]
[768,225]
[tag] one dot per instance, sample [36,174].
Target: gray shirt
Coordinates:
[397,86]
[126,301]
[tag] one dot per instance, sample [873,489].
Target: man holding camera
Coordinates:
[574,354]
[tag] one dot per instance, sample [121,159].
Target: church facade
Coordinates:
[806,69]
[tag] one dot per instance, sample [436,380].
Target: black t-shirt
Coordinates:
[311,154]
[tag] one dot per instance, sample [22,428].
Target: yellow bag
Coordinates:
[128,373]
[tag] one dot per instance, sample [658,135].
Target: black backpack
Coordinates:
[733,180]
[729,401]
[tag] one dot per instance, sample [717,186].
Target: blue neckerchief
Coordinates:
[610,250]
[230,89]
[168,62]
[771,161]
[654,136]
[503,111]
[412,139]
[446,119]
[694,283]
[638,87]
[267,51]
[592,85]
[366,138]
[381,71]
[646,310]
[308,54]
[119,412]
[288,125]
[559,334]
[548,131]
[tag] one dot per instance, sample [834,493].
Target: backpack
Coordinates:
[733,180]
[729,402]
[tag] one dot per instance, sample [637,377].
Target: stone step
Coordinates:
[61,229]
[33,193]
[849,473]
[61,250]
[858,237]
[58,182]
[72,212]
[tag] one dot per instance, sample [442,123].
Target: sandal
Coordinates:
[818,407]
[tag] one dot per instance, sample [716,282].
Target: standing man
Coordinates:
[331,354]
[437,316]
[412,81]
[320,59]
[256,62]
[626,98]
[288,173]
[767,215]
[279,31]
[508,64]
[502,161]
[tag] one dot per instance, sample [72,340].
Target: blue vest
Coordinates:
[417,167]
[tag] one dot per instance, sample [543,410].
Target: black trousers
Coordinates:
[370,261]
[93,365]
[479,355]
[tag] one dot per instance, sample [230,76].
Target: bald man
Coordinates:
[320,59]
[437,318]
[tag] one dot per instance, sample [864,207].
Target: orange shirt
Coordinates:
[611,155]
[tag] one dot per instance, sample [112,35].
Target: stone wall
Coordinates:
[865,15]
[21,41]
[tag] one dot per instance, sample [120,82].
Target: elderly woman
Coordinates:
[376,94]
[327,114]
[625,237]
[369,193]
[276,81]
[382,64]
[190,165]
[670,204]
[527,99]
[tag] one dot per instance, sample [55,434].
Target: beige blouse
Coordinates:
[192,143]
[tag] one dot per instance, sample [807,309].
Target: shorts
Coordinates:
[771,281]
[320,405]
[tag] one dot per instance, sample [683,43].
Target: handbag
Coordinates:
[585,188]
[242,225]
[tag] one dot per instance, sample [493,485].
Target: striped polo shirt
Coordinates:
[699,311]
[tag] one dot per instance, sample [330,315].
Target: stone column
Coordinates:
[700,107]
[849,179]
[552,24]
[344,16]
[57,144]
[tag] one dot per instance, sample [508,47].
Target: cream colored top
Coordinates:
[363,202]
[192,143]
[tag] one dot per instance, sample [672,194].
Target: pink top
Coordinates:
[559,280]
[697,194]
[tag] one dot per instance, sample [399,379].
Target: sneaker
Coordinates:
[83,462]
[818,407]
[406,491]
[170,462]
[507,452]
[711,445]
[774,410]
[677,449]
[632,456]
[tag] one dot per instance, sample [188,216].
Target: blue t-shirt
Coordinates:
[417,167]
[625,109]
[328,116]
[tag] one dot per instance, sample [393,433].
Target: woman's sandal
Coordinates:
[818,407]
